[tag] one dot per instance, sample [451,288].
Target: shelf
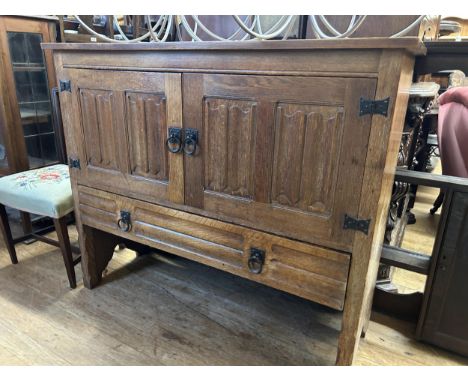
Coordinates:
[28,68]
[39,134]
[32,114]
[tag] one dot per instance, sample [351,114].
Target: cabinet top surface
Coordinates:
[411,44]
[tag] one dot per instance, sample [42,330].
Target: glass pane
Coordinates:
[30,127]
[33,146]
[32,92]
[17,48]
[40,89]
[33,47]
[45,125]
[48,147]
[23,86]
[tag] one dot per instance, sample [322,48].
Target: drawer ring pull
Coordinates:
[124,222]
[256,260]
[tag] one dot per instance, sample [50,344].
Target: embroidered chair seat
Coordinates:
[45,191]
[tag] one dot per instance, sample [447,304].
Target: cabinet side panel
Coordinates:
[395,76]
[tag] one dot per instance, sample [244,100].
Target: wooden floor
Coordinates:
[163,310]
[154,310]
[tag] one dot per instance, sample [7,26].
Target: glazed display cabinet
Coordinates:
[28,136]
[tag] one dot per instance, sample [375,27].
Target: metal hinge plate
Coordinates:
[356,224]
[65,86]
[369,106]
[74,163]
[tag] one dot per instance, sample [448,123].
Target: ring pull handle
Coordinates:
[174,141]
[256,260]
[124,222]
[191,141]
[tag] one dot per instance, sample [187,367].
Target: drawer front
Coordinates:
[311,272]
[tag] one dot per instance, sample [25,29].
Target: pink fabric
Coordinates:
[453,131]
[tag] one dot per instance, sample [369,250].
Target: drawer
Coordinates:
[311,272]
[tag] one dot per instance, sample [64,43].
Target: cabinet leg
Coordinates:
[97,250]
[356,312]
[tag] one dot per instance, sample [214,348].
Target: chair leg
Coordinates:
[64,241]
[26,222]
[438,202]
[6,232]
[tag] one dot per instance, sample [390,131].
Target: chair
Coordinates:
[46,192]
[452,132]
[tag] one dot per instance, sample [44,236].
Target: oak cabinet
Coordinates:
[270,160]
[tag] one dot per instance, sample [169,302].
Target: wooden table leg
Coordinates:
[6,233]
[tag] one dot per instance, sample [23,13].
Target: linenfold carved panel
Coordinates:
[307,149]
[229,128]
[146,130]
[98,118]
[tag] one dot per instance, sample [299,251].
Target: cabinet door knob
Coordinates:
[191,141]
[174,141]
[256,260]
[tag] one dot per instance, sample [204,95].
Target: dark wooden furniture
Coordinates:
[442,55]
[442,313]
[268,160]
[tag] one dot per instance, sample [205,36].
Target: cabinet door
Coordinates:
[119,129]
[278,153]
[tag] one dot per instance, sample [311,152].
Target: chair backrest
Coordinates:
[453,131]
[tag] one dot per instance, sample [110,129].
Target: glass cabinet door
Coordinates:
[32,93]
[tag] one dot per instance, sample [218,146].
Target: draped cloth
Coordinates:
[453,131]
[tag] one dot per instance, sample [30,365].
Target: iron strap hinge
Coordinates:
[74,163]
[65,86]
[369,106]
[356,224]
